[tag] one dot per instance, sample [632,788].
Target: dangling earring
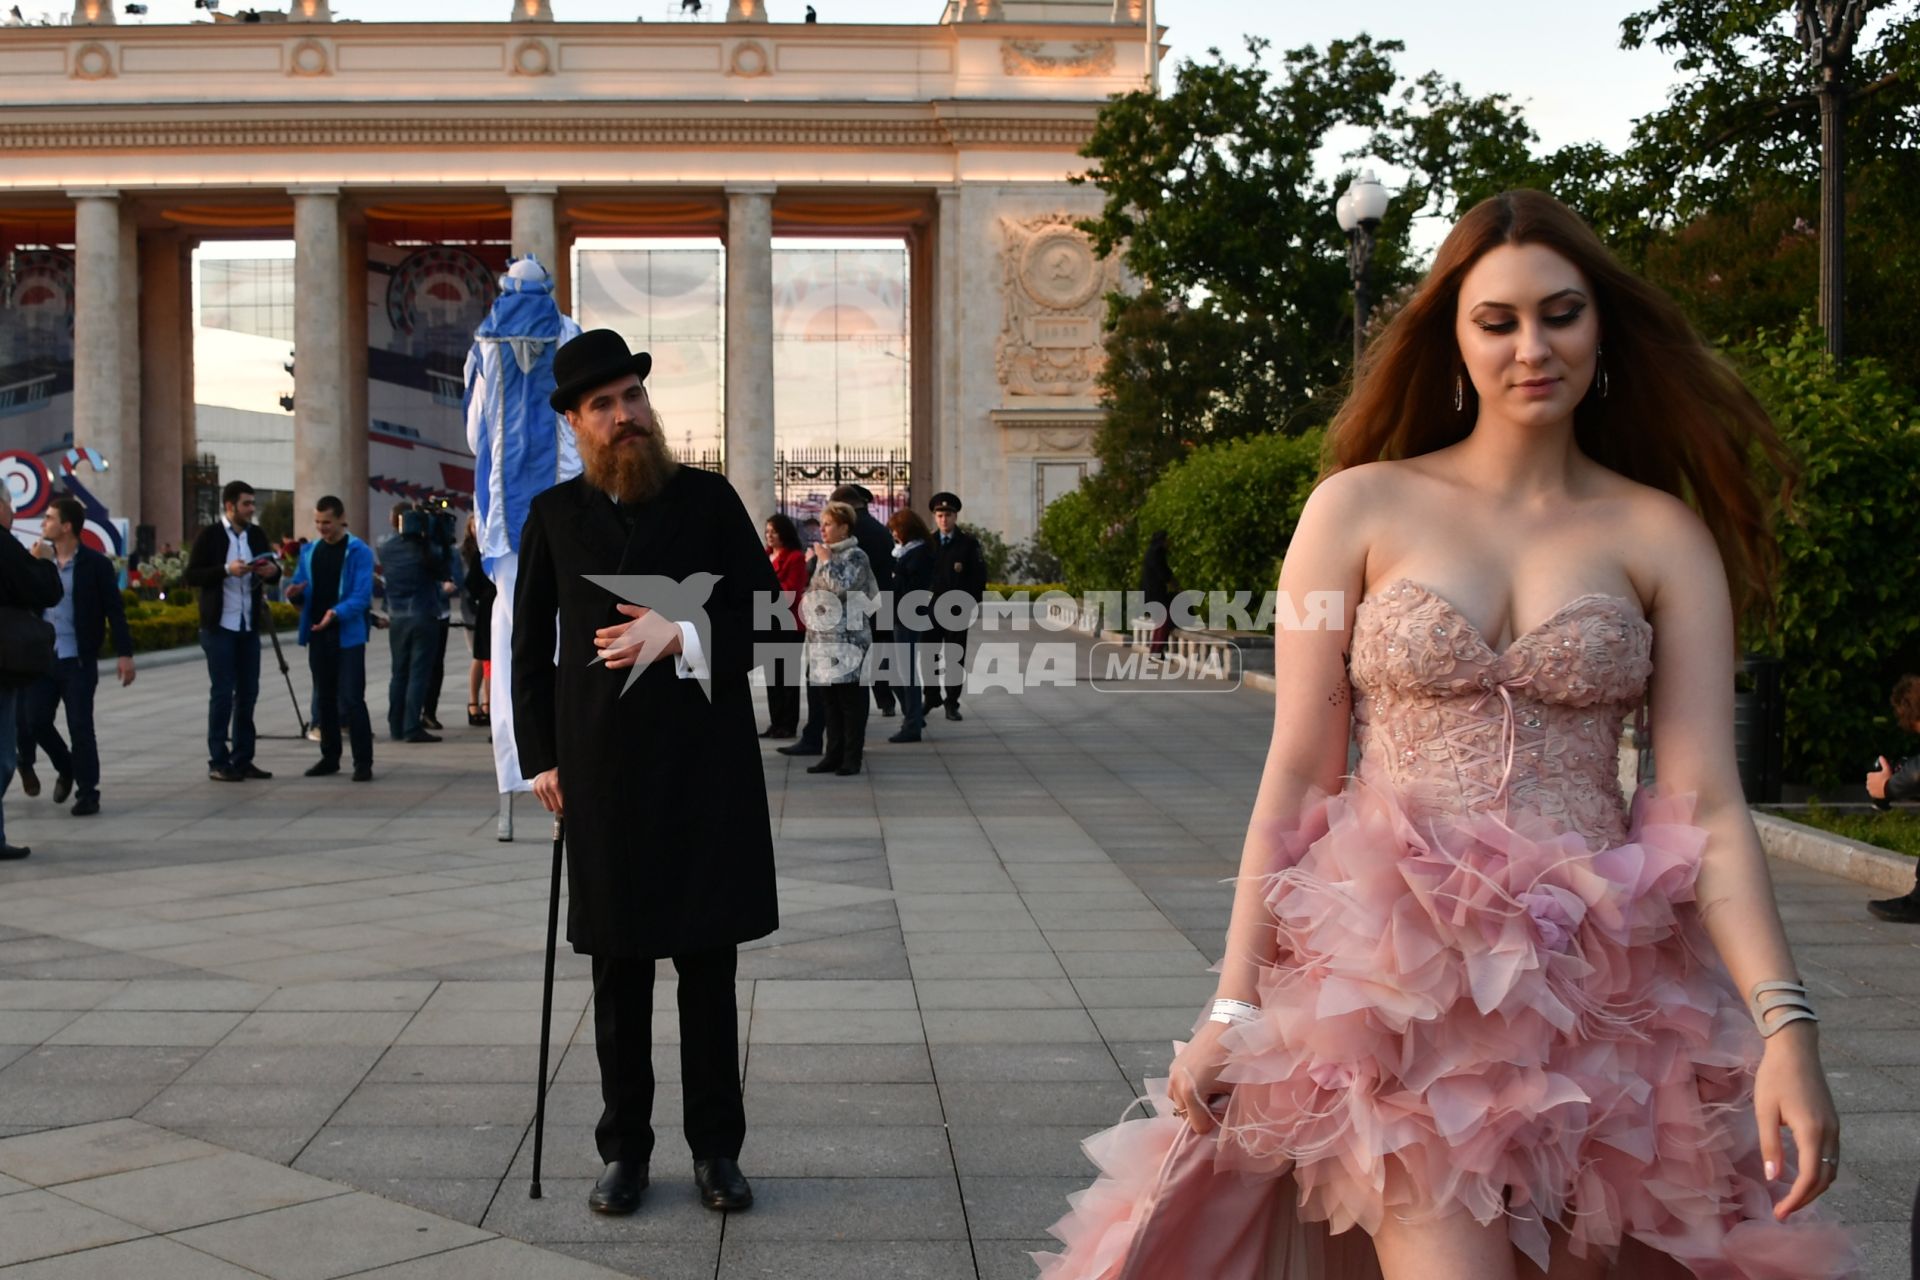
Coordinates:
[1600,380]
[1459,393]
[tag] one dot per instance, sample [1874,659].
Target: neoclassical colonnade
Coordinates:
[957,137]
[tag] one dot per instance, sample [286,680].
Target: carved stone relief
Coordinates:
[309,58]
[1040,58]
[749,59]
[1053,288]
[531,58]
[93,61]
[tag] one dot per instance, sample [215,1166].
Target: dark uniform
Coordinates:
[958,565]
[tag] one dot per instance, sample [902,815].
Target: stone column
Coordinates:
[320,439]
[922,364]
[166,382]
[944,456]
[126,467]
[749,428]
[354,340]
[535,229]
[101,357]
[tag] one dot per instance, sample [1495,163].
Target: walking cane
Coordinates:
[546,1001]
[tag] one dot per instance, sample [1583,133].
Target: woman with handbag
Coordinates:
[27,585]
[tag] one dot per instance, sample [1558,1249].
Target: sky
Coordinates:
[1562,61]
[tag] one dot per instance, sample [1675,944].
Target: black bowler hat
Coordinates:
[593,359]
[944,501]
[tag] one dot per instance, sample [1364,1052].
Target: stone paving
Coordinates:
[288,1028]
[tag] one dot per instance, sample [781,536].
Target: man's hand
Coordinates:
[1877,780]
[42,549]
[126,671]
[449,588]
[236,568]
[326,620]
[648,638]
[267,569]
[295,592]
[546,788]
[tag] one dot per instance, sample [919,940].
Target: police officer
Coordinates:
[958,566]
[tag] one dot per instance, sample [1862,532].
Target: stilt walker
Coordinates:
[520,447]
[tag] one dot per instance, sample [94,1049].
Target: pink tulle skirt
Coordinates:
[1535,1033]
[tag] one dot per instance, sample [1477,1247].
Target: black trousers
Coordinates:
[430,706]
[715,1117]
[784,678]
[340,695]
[953,645]
[846,722]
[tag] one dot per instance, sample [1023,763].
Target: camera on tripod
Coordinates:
[431,520]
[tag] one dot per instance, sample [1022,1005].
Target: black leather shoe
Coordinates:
[905,735]
[953,712]
[431,722]
[801,748]
[86,806]
[722,1186]
[256,773]
[848,769]
[618,1191]
[10,852]
[62,787]
[421,735]
[363,773]
[226,775]
[323,768]
[824,766]
[1901,910]
[29,780]
[930,701]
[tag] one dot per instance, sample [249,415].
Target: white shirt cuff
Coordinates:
[691,662]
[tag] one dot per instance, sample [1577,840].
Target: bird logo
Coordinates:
[678,600]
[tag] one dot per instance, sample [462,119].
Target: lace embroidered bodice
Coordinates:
[1452,727]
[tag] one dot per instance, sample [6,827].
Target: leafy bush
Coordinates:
[1096,551]
[993,550]
[159,625]
[1032,561]
[1849,597]
[1229,510]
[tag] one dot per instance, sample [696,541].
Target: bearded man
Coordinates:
[642,734]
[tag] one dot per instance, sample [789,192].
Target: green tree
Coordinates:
[1213,195]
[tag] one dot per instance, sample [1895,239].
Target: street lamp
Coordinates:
[1359,212]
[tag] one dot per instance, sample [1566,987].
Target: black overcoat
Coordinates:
[669,849]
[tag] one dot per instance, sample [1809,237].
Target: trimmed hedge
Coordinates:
[164,625]
[1230,509]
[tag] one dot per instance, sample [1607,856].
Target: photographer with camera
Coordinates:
[416,564]
[1888,783]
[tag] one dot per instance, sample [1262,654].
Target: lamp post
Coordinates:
[1359,211]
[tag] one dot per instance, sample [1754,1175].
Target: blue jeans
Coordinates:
[73,682]
[340,695]
[233,671]
[9,748]
[416,639]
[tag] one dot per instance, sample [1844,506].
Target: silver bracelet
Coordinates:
[1775,1004]
[1233,1012]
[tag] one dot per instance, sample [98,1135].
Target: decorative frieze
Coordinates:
[1046,58]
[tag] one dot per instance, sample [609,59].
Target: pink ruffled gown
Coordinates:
[1490,971]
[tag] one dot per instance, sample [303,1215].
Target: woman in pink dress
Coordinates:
[1477,1019]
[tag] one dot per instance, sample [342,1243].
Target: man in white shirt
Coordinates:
[228,565]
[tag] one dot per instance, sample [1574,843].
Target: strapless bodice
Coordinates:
[1453,727]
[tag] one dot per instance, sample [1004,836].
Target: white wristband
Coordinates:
[1233,1012]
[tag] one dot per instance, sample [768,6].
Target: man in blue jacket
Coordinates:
[334,588]
[90,599]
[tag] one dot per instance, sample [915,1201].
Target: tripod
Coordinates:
[279,655]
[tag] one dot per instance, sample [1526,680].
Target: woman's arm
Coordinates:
[1692,709]
[1321,582]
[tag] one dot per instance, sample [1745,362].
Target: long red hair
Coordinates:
[1676,416]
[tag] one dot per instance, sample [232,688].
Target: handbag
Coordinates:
[26,646]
